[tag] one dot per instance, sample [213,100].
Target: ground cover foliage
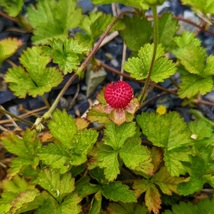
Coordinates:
[111,160]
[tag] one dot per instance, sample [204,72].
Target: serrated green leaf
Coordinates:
[116,191]
[174,160]
[134,155]
[34,78]
[192,58]
[166,182]
[116,136]
[167,28]
[63,127]
[25,148]
[67,54]
[204,206]
[55,156]
[200,129]
[12,7]
[205,6]
[57,185]
[8,47]
[52,19]
[138,31]
[71,204]
[106,158]
[193,84]
[139,67]
[209,67]
[168,131]
[132,3]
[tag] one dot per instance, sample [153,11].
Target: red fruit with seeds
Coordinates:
[118,94]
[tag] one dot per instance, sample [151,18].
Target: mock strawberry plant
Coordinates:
[122,155]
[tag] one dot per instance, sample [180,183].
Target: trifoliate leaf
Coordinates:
[117,135]
[33,78]
[67,54]
[57,185]
[134,155]
[167,28]
[106,158]
[126,208]
[116,191]
[152,195]
[204,206]
[138,31]
[168,131]
[192,85]
[63,127]
[167,183]
[25,148]
[139,67]
[132,3]
[8,47]
[205,6]
[52,19]
[175,159]
[12,8]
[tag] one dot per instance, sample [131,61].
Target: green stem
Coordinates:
[155,41]
[14,116]
[45,101]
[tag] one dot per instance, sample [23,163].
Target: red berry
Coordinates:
[118,94]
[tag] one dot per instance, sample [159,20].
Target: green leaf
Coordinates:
[168,131]
[134,155]
[55,156]
[167,28]
[126,208]
[204,206]
[8,47]
[25,148]
[52,19]
[63,127]
[116,191]
[209,67]
[205,6]
[57,185]
[152,195]
[33,78]
[67,54]
[132,3]
[96,23]
[175,159]
[167,183]
[139,67]
[12,7]
[192,85]
[96,204]
[116,136]
[106,158]
[71,204]
[138,31]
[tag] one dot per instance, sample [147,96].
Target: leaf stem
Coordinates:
[155,41]
[14,116]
